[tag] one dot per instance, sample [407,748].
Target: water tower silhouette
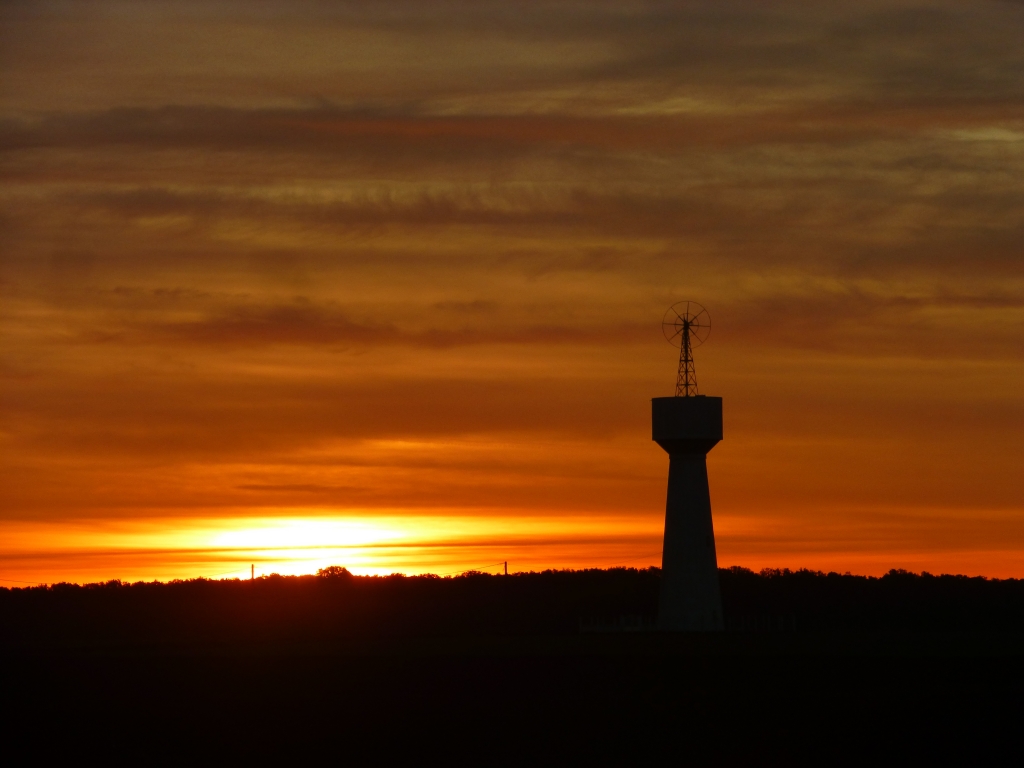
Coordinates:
[687,426]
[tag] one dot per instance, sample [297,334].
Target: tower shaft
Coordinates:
[690,599]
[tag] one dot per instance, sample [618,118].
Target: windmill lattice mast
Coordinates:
[686,381]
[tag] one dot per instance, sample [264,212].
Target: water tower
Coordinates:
[687,426]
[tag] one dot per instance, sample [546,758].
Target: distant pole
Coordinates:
[252,572]
[506,567]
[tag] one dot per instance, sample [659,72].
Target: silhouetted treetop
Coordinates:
[336,604]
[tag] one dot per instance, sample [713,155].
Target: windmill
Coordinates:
[688,426]
[686,324]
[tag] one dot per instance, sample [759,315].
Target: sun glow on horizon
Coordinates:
[410,542]
[162,549]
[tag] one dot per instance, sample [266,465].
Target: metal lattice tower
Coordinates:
[687,324]
[686,380]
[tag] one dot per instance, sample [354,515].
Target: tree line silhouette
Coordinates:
[336,605]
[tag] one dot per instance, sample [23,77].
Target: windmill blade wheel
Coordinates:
[687,317]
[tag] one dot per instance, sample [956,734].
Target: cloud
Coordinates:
[304,323]
[854,320]
[395,138]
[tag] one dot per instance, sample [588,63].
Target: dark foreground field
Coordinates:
[553,668]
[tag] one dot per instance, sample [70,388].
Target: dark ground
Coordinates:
[491,670]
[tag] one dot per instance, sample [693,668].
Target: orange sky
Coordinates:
[380,284]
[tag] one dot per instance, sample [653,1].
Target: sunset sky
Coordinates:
[380,284]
